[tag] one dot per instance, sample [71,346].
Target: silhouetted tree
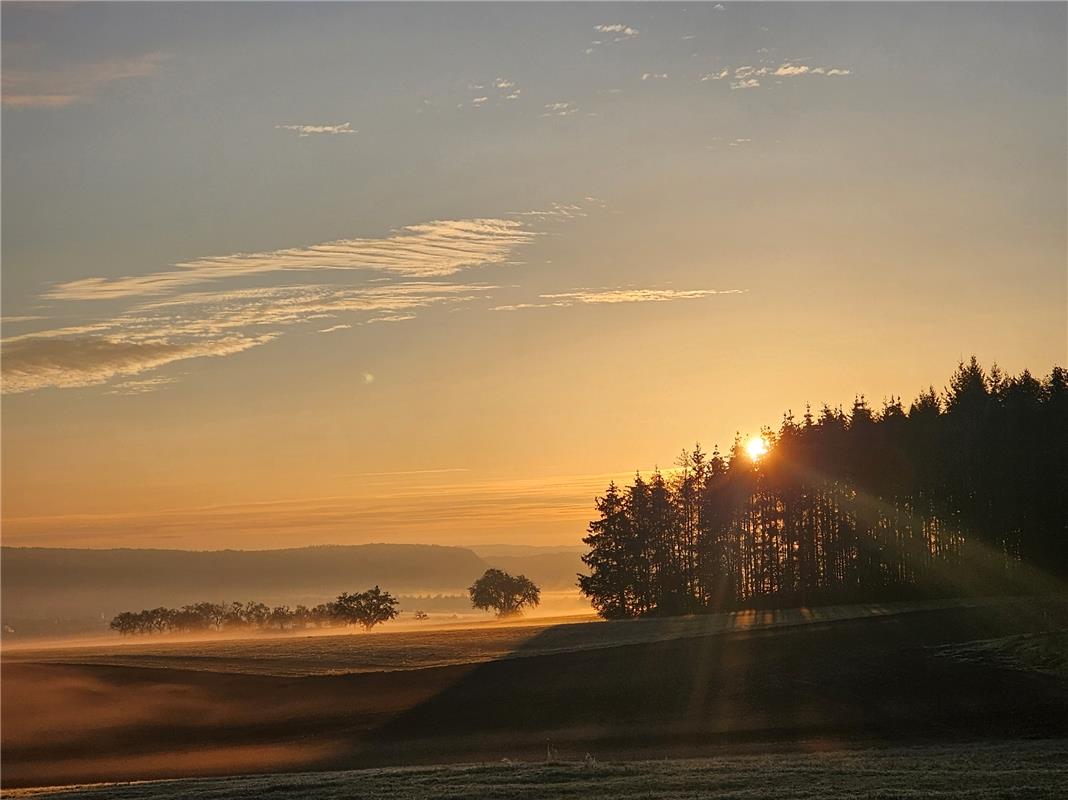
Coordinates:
[365,608]
[125,623]
[506,594]
[953,496]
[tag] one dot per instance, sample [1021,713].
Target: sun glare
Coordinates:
[756,447]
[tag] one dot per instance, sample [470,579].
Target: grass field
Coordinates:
[810,687]
[1026,770]
[355,651]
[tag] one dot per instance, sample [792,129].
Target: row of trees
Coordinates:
[495,590]
[366,609]
[962,492]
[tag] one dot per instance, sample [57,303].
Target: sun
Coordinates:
[756,447]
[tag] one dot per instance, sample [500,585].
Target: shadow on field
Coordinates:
[822,684]
[946,675]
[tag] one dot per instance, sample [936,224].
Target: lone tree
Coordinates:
[365,608]
[504,593]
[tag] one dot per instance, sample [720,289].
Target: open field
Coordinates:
[1030,770]
[328,652]
[959,673]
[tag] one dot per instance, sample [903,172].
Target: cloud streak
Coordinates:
[615,296]
[612,33]
[141,385]
[565,109]
[434,249]
[749,77]
[206,307]
[198,325]
[38,362]
[500,90]
[303,131]
[78,83]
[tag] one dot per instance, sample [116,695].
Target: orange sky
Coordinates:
[438,274]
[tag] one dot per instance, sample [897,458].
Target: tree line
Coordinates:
[963,492]
[496,590]
[366,609]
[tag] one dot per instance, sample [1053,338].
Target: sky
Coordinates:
[287,274]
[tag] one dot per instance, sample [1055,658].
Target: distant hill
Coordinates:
[551,567]
[489,550]
[77,583]
[63,591]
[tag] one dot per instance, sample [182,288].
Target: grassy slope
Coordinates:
[388,648]
[828,685]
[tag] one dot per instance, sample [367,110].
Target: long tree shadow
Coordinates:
[880,678]
[641,689]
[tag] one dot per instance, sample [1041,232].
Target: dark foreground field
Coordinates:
[960,681]
[1022,769]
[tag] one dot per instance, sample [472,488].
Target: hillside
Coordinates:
[956,673]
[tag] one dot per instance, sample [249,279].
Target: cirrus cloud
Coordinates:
[38,362]
[309,130]
[202,324]
[749,77]
[433,249]
[615,32]
[615,296]
[205,307]
[69,85]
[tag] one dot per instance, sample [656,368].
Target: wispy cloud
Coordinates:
[750,77]
[310,130]
[216,313]
[611,33]
[792,70]
[432,249]
[615,296]
[715,76]
[487,510]
[404,509]
[654,76]
[194,309]
[507,88]
[745,83]
[197,325]
[37,362]
[565,109]
[141,385]
[404,472]
[561,211]
[77,83]
[499,90]
[621,31]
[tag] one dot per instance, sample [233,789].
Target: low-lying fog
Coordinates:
[442,613]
